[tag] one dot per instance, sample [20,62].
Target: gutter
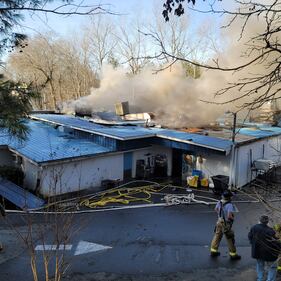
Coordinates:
[78,158]
[195,144]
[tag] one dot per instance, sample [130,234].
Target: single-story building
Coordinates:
[65,153]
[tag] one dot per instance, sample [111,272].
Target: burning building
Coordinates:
[65,153]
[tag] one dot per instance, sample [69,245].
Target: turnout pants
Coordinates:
[224,228]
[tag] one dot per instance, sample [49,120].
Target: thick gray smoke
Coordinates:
[176,99]
[170,95]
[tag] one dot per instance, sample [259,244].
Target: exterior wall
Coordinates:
[153,151]
[80,174]
[263,149]
[6,157]
[88,173]
[30,174]
[214,164]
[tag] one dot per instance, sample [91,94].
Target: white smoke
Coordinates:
[174,98]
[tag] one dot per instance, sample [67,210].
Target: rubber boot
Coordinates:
[215,254]
[235,257]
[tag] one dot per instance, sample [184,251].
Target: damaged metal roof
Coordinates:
[222,142]
[135,132]
[116,132]
[45,143]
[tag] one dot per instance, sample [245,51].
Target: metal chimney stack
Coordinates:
[122,108]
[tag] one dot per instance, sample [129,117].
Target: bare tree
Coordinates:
[100,41]
[174,38]
[132,47]
[262,49]
[11,16]
[55,67]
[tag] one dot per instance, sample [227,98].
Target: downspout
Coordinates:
[232,181]
[39,179]
[236,170]
[232,167]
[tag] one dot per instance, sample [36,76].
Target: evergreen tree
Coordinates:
[14,106]
[14,98]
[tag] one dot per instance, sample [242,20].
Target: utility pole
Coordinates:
[234,126]
[232,180]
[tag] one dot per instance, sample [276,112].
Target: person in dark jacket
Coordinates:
[265,248]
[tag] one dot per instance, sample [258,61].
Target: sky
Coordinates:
[40,22]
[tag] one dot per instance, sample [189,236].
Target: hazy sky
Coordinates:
[64,25]
[41,22]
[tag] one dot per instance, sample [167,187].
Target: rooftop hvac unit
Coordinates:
[264,164]
[122,108]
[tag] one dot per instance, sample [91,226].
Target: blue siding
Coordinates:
[98,139]
[128,164]
[133,144]
[128,161]
[117,132]
[184,146]
[196,139]
[126,133]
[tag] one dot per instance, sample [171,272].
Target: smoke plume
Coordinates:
[174,98]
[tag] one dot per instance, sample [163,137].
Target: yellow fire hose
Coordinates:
[122,196]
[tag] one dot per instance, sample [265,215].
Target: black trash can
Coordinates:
[220,184]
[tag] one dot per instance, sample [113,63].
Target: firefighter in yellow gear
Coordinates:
[225,210]
[277,229]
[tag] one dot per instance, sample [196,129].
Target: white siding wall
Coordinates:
[6,157]
[87,173]
[243,163]
[214,164]
[30,174]
[153,150]
[273,149]
[82,174]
